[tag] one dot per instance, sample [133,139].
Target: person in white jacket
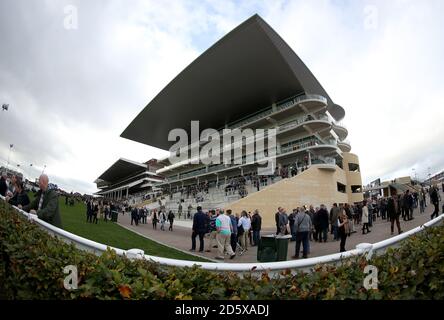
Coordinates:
[245,222]
[365,217]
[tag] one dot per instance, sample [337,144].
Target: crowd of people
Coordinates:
[45,204]
[228,232]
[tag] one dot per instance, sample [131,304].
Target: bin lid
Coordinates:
[283,236]
[268,236]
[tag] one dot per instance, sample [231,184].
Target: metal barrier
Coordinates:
[304,264]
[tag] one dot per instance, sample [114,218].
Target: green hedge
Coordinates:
[32,262]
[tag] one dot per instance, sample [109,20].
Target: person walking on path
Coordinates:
[302,227]
[134,217]
[245,223]
[393,212]
[224,228]
[154,219]
[408,205]
[256,225]
[234,230]
[434,199]
[171,217]
[200,226]
[365,215]
[162,218]
[212,231]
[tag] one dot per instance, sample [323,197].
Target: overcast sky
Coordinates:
[72,91]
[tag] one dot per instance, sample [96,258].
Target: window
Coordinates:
[353,167]
[356,189]
[341,187]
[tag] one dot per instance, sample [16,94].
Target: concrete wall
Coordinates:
[353,178]
[315,186]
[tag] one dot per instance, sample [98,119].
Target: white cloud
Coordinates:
[73,92]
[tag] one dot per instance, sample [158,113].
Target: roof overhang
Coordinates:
[247,70]
[121,169]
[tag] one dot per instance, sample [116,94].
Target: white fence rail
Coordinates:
[304,264]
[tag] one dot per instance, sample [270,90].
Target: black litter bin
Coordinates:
[267,249]
[114,215]
[282,247]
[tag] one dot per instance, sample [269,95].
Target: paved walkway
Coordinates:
[180,237]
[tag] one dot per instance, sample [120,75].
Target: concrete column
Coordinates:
[127,188]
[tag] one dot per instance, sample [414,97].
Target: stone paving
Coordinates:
[180,237]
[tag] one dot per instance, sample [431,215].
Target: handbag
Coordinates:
[240,230]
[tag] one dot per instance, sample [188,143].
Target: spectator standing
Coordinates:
[302,227]
[408,204]
[20,197]
[343,229]
[365,217]
[224,229]
[154,219]
[276,219]
[434,199]
[283,222]
[46,203]
[95,211]
[3,185]
[393,211]
[334,215]
[245,223]
[212,231]
[316,226]
[291,218]
[323,223]
[134,216]
[200,225]
[162,218]
[256,225]
[171,220]
[234,230]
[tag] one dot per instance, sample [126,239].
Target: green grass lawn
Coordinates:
[110,233]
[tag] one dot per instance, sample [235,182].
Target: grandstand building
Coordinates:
[252,79]
[129,179]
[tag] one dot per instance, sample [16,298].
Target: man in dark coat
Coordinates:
[393,212]
[256,225]
[324,218]
[200,227]
[434,199]
[46,203]
[408,205]
[3,185]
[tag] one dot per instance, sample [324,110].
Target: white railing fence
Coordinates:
[305,264]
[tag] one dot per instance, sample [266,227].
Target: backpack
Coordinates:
[213,224]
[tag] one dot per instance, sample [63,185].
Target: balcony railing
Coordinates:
[287,149]
[279,108]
